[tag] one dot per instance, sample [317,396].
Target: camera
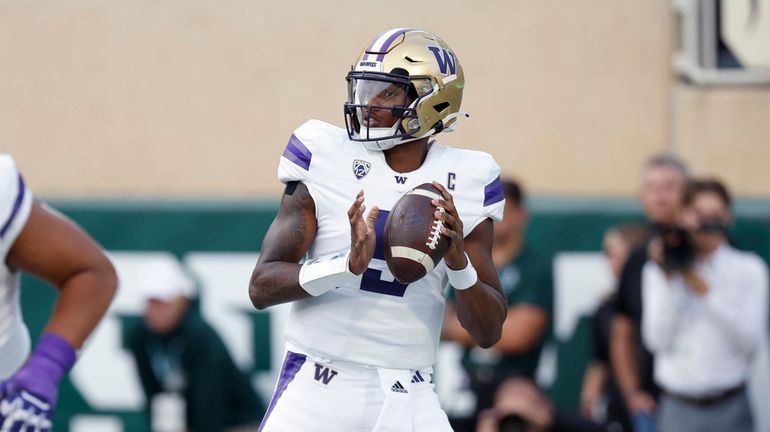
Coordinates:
[678,248]
[513,423]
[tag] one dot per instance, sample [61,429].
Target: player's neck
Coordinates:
[407,157]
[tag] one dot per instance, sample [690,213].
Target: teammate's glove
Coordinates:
[28,398]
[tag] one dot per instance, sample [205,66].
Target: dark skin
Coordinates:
[481,308]
[58,251]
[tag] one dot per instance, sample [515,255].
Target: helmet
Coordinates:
[408,74]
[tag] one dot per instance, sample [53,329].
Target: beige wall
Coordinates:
[196,98]
[725,132]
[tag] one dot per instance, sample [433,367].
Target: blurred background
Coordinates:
[158,125]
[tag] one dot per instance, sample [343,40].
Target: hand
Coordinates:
[453,228]
[362,235]
[588,400]
[28,398]
[695,282]
[21,410]
[640,401]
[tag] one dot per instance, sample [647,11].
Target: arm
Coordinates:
[740,307]
[662,302]
[623,359]
[481,308]
[275,278]
[58,251]
[593,384]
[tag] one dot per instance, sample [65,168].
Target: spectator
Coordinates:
[600,398]
[527,281]
[704,315]
[178,353]
[663,184]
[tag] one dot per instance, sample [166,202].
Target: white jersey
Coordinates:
[15,205]
[377,321]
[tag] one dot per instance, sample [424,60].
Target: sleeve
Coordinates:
[628,280]
[663,300]
[494,201]
[742,317]
[15,204]
[297,156]
[137,341]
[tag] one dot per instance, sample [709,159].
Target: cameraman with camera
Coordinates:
[704,314]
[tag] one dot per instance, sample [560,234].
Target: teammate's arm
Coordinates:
[481,308]
[58,251]
[275,278]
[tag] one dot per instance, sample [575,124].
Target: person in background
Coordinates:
[704,316]
[600,399]
[180,357]
[40,241]
[662,186]
[527,281]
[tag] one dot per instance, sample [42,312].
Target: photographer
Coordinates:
[704,314]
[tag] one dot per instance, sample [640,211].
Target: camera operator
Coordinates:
[704,314]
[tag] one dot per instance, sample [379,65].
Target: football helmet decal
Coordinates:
[406,85]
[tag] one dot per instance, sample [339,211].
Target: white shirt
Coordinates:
[15,205]
[375,320]
[704,345]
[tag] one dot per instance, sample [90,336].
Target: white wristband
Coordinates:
[464,278]
[319,275]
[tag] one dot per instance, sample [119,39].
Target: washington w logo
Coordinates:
[400,179]
[323,373]
[446,60]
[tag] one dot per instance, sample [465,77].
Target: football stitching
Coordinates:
[435,232]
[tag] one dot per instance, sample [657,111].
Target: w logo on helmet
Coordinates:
[445,59]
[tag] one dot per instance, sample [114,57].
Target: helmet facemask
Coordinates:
[375,100]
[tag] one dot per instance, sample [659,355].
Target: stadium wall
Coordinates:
[194,98]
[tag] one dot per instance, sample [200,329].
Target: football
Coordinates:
[412,239]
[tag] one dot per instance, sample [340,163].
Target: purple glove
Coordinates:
[28,398]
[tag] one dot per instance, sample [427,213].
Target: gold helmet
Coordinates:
[407,74]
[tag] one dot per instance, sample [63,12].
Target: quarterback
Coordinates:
[360,345]
[41,242]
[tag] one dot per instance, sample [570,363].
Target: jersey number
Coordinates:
[372,278]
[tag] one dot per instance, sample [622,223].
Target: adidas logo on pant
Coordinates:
[398,388]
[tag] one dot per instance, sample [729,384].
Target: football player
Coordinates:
[360,345]
[41,242]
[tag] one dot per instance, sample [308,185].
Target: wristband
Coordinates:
[319,275]
[464,278]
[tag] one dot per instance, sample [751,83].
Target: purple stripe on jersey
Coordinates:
[297,152]
[389,41]
[493,192]
[291,365]
[16,207]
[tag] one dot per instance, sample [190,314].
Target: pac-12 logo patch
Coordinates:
[361,168]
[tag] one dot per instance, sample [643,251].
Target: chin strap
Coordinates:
[458,115]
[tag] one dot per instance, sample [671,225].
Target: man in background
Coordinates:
[663,184]
[600,399]
[526,278]
[704,316]
[182,362]
[42,242]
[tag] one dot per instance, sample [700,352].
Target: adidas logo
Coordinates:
[417,378]
[398,388]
